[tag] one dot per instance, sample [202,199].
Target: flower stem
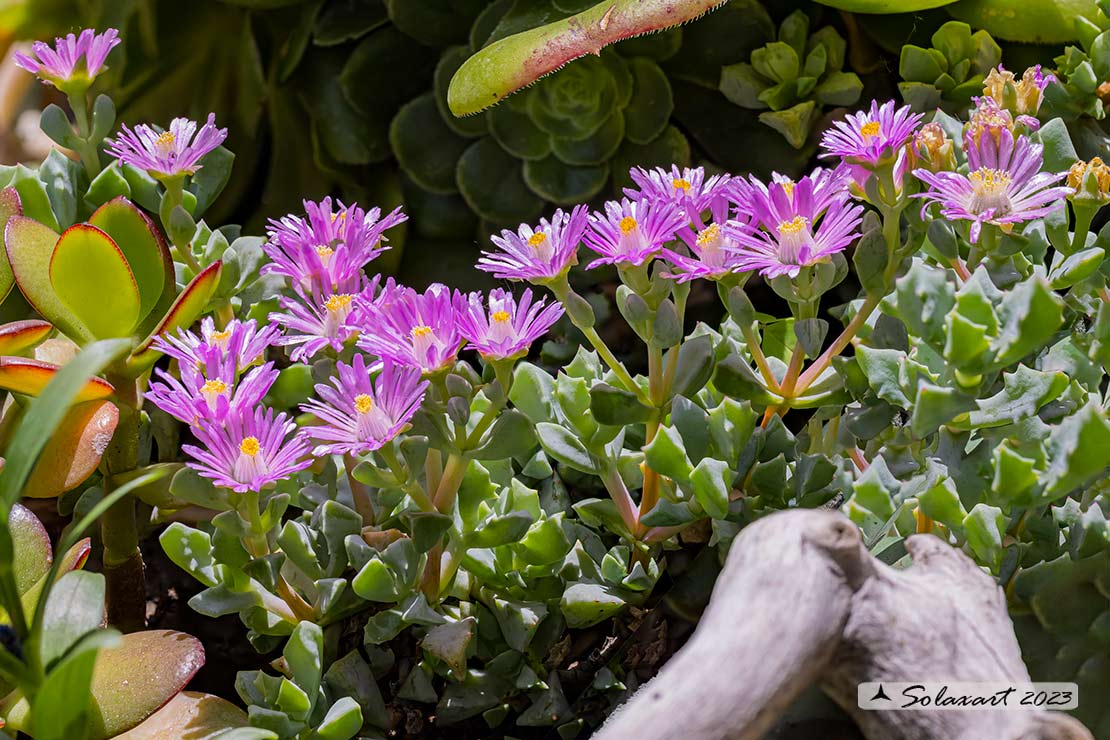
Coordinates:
[760,359]
[615,365]
[614,484]
[838,345]
[85,148]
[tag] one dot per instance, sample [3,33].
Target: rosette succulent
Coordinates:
[794,76]
[951,72]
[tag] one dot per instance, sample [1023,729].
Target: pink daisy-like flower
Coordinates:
[795,224]
[174,152]
[249,451]
[632,231]
[361,414]
[538,255]
[871,136]
[58,65]
[211,392]
[507,328]
[313,321]
[712,248]
[327,250]
[1004,185]
[412,329]
[242,340]
[688,187]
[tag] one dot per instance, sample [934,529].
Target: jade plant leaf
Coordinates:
[127,686]
[29,377]
[9,206]
[29,246]
[91,276]
[182,313]
[142,246]
[31,545]
[74,450]
[17,336]
[190,714]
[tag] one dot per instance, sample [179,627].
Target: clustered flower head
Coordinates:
[250,450]
[688,187]
[327,250]
[632,232]
[712,249]
[506,328]
[172,153]
[58,65]
[242,341]
[410,328]
[871,137]
[539,255]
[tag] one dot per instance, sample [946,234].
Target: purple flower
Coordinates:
[537,255]
[171,153]
[507,328]
[412,329]
[212,393]
[249,451]
[869,137]
[315,320]
[58,65]
[632,231]
[239,339]
[795,224]
[712,254]
[327,250]
[688,187]
[1004,185]
[361,414]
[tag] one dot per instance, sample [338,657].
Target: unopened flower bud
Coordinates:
[1090,181]
[933,148]
[1020,97]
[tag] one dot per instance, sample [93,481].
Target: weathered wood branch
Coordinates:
[801,601]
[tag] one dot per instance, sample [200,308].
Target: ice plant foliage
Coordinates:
[868,137]
[631,232]
[506,328]
[358,413]
[541,254]
[61,65]
[174,152]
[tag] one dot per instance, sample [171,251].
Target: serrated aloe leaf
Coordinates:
[31,545]
[142,246]
[92,278]
[511,63]
[127,686]
[181,314]
[29,377]
[9,206]
[17,336]
[29,246]
[190,714]
[74,450]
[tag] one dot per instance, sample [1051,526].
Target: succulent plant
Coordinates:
[950,73]
[794,76]
[1084,70]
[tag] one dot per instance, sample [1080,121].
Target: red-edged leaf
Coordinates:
[184,311]
[73,559]
[20,335]
[190,714]
[74,450]
[143,247]
[29,246]
[9,206]
[29,377]
[92,278]
[33,553]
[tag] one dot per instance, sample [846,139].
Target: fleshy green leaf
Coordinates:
[91,277]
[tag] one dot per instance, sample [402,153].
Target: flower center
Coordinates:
[165,141]
[680,183]
[794,239]
[421,331]
[991,191]
[869,129]
[792,227]
[211,391]
[337,303]
[627,224]
[324,252]
[363,403]
[537,239]
[501,316]
[788,188]
[249,446]
[219,339]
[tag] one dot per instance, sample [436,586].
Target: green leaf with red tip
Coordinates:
[29,377]
[9,206]
[185,310]
[31,544]
[74,449]
[29,246]
[142,246]
[128,686]
[511,63]
[190,714]
[73,559]
[17,336]
[92,278]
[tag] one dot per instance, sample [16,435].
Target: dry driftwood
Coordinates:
[801,601]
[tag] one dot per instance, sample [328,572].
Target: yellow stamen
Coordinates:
[708,235]
[501,316]
[792,227]
[336,303]
[249,446]
[324,252]
[869,129]
[627,224]
[165,140]
[421,331]
[788,188]
[363,403]
[986,179]
[680,183]
[220,336]
[537,239]
[214,386]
